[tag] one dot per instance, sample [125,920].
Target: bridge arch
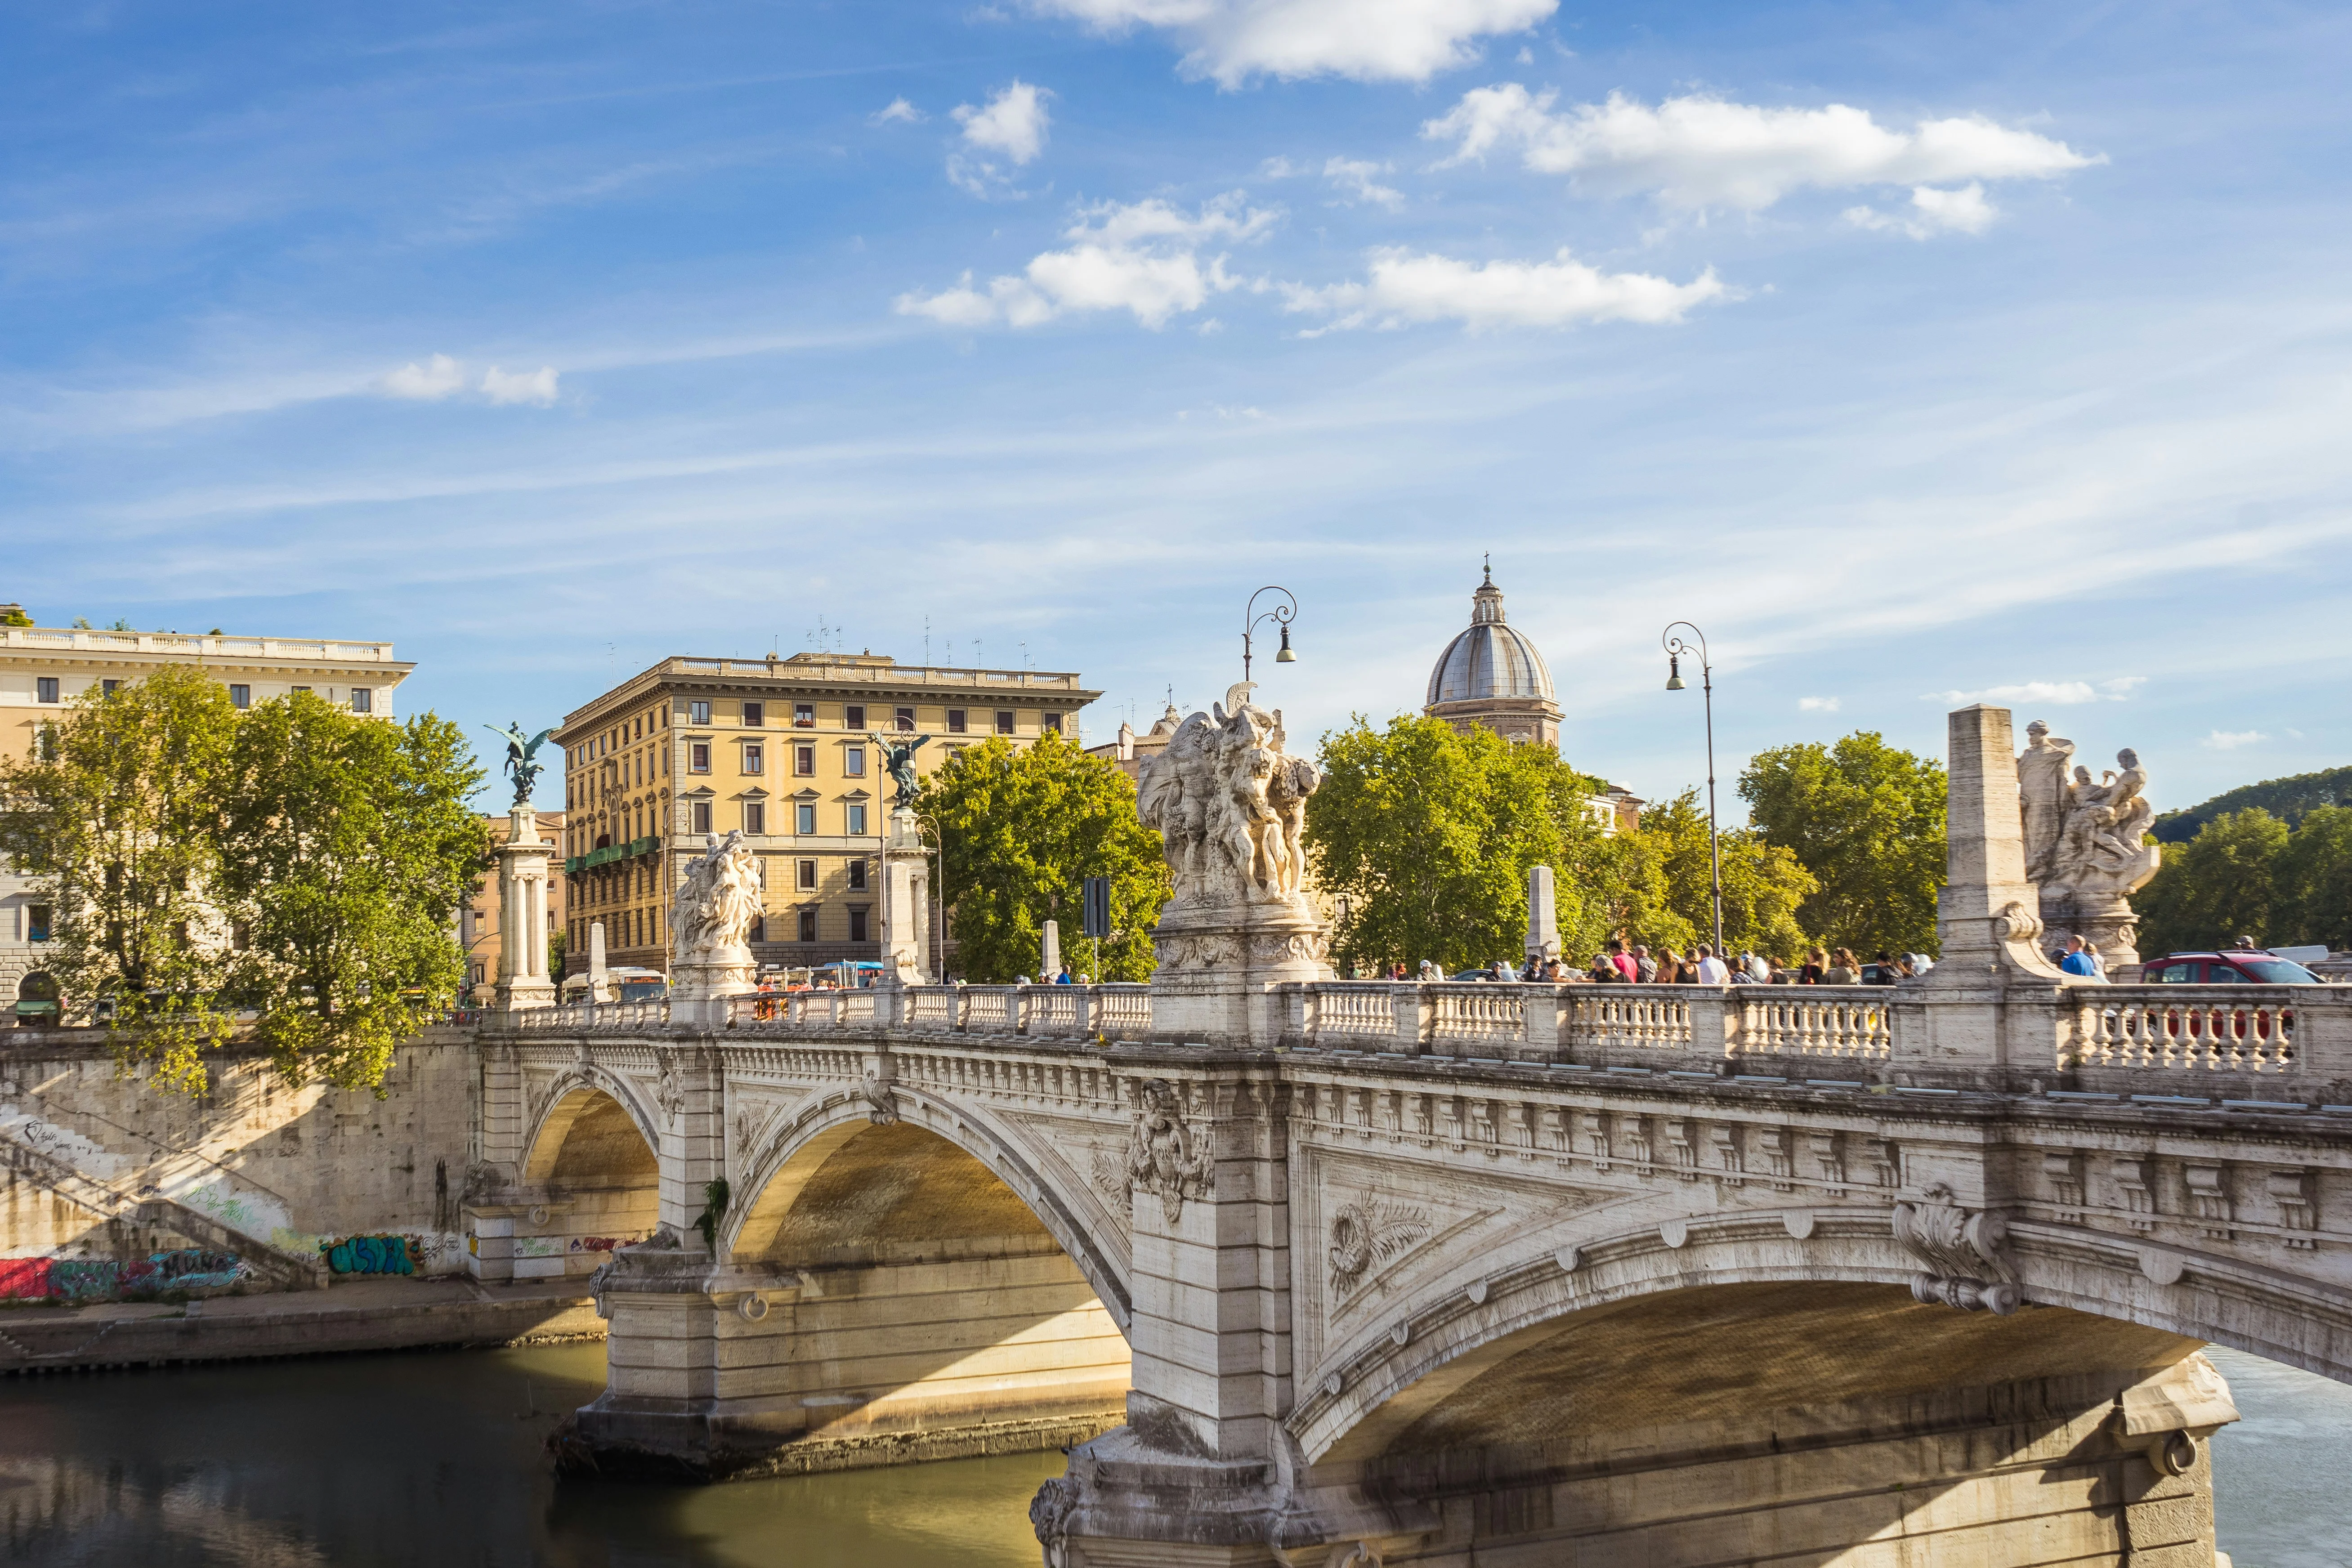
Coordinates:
[775,1176]
[591,1176]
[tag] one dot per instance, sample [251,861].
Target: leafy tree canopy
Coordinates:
[297,860]
[1425,837]
[1020,831]
[1763,886]
[2247,873]
[2287,799]
[1866,820]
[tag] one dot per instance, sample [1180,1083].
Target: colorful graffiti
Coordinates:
[599,1243]
[373,1254]
[80,1279]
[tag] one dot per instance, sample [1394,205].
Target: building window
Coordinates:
[36,922]
[958,722]
[856,819]
[808,925]
[804,715]
[362,698]
[853,716]
[304,690]
[755,714]
[858,925]
[1054,722]
[804,761]
[697,756]
[755,758]
[699,712]
[808,875]
[1004,720]
[701,816]
[805,818]
[48,688]
[108,687]
[857,876]
[755,816]
[240,696]
[853,762]
[759,928]
[905,717]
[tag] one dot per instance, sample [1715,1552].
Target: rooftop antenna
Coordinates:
[927,642]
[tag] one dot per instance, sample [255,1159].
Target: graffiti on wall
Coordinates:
[113,1280]
[373,1254]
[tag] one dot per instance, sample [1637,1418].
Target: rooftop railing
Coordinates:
[316,650]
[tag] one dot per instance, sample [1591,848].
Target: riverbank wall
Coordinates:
[112,1186]
[356,1316]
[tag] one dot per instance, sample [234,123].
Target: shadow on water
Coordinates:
[435,1459]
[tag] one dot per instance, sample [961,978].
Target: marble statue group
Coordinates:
[2084,846]
[1229,803]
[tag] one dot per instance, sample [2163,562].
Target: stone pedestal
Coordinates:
[1543,916]
[1049,962]
[599,979]
[905,903]
[523,980]
[1219,964]
[2105,920]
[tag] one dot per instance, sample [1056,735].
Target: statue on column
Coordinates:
[523,753]
[2084,847]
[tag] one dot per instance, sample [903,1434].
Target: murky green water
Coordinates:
[427,1460]
[433,1460]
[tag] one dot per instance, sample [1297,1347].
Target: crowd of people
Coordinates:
[1633,963]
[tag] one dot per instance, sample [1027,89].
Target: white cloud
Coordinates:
[2056,693]
[436,377]
[1013,123]
[1819,704]
[1142,258]
[2230,739]
[1934,211]
[897,111]
[1699,151]
[523,386]
[1354,175]
[1279,169]
[1366,40]
[1404,288]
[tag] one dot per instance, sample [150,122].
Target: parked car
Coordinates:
[2238,966]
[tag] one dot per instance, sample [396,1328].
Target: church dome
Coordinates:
[1490,659]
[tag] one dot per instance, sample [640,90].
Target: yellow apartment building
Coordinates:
[42,668]
[780,747]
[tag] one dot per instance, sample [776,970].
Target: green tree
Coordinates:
[2312,880]
[347,848]
[2215,888]
[114,817]
[1020,831]
[1425,835]
[1763,885]
[1866,820]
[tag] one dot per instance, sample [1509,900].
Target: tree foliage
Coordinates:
[115,819]
[1020,831]
[296,860]
[2247,873]
[347,849]
[1426,837]
[1866,820]
[1763,886]
[2288,799]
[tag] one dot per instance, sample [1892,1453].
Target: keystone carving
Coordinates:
[1160,1157]
[1962,1251]
[881,1101]
[1366,1233]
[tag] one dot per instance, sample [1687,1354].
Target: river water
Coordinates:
[433,1460]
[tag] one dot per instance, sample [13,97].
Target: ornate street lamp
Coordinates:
[1676,648]
[1280,616]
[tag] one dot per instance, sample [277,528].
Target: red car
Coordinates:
[2238,966]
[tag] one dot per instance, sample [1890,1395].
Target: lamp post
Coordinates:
[1280,616]
[1675,648]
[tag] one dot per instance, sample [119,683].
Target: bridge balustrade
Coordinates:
[1817,1020]
[2210,1028]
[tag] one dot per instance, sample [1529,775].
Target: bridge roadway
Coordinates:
[1502,1274]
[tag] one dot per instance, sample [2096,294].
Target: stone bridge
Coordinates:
[1463,1274]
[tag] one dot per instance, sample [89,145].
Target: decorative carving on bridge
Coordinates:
[1369,1232]
[668,1093]
[1161,1156]
[1230,803]
[1962,1249]
[2296,1193]
[2082,843]
[881,1101]
[1049,1516]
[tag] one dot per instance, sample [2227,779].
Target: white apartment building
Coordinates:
[44,667]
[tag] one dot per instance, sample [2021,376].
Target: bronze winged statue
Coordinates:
[521,763]
[899,761]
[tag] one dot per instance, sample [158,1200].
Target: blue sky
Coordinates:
[1909,351]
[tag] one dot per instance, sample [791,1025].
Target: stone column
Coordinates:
[905,903]
[1543,917]
[599,979]
[523,980]
[1050,959]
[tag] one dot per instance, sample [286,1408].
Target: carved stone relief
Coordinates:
[1963,1252]
[1160,1155]
[1371,1233]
